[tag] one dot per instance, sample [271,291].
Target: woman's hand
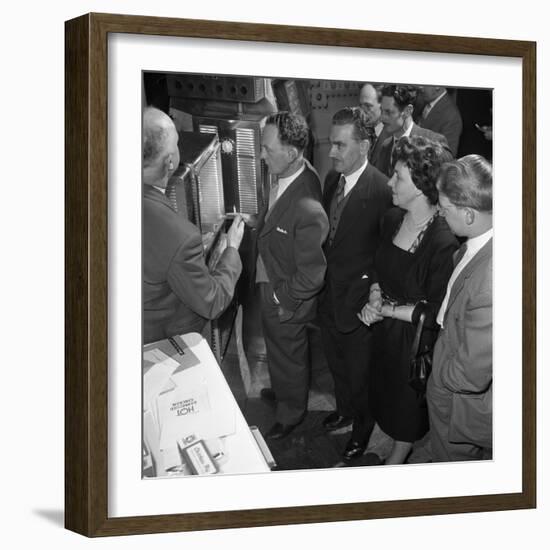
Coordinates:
[375,301]
[370,314]
[387,310]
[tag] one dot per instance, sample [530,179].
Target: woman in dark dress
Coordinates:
[412,265]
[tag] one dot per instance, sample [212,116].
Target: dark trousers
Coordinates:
[349,358]
[287,349]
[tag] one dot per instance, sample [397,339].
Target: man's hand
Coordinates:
[235,233]
[250,219]
[369,315]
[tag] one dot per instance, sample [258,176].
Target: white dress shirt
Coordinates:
[353,178]
[473,246]
[406,133]
[285,182]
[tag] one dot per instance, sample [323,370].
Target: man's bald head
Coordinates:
[369,101]
[156,129]
[429,93]
[160,147]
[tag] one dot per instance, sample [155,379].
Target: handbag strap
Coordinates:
[416,342]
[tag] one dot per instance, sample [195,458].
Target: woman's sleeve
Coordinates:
[387,225]
[440,269]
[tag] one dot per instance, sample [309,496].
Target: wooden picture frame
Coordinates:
[86,279]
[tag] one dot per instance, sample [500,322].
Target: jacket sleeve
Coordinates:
[451,128]
[469,367]
[439,271]
[206,293]
[310,233]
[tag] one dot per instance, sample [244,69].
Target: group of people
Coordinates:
[364,256]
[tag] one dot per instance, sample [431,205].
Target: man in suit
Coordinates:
[460,389]
[356,197]
[179,291]
[369,101]
[290,269]
[440,114]
[397,109]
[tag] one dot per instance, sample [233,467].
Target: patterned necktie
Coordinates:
[171,195]
[340,189]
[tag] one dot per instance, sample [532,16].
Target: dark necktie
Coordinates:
[171,195]
[460,253]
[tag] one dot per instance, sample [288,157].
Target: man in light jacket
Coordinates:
[460,389]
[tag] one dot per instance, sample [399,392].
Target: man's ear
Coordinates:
[292,153]
[167,165]
[408,110]
[364,146]
[470,216]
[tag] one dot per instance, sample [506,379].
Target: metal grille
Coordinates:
[246,170]
[211,190]
[208,129]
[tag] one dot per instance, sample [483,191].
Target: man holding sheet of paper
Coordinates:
[180,293]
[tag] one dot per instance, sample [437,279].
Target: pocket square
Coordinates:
[280,230]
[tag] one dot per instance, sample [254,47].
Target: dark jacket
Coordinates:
[350,257]
[290,243]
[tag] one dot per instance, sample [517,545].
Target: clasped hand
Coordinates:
[371,312]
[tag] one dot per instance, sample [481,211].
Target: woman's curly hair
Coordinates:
[424,159]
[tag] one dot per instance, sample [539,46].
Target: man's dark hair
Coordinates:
[424,159]
[468,182]
[402,94]
[293,129]
[356,117]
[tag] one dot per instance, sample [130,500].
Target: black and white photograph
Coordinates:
[293,295]
[259,289]
[317,273]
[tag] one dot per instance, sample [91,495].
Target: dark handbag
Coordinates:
[420,365]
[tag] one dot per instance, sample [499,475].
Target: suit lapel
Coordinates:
[416,130]
[330,189]
[282,205]
[485,251]
[376,150]
[354,205]
[438,108]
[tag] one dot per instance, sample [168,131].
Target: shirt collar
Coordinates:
[407,133]
[408,130]
[475,244]
[352,179]
[285,182]
[434,101]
